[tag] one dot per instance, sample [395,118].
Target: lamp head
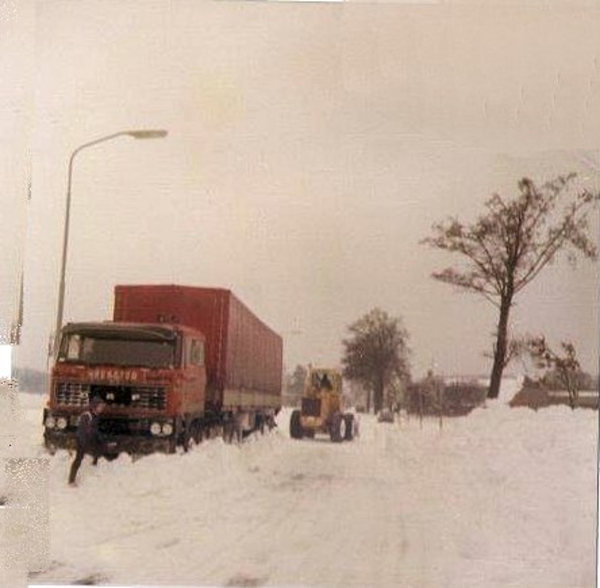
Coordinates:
[148,134]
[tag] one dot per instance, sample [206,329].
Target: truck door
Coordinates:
[194,380]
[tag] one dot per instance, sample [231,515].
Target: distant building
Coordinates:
[535,396]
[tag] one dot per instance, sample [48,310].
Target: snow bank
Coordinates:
[511,495]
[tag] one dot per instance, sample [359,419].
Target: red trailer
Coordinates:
[176,363]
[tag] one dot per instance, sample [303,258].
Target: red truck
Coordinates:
[176,364]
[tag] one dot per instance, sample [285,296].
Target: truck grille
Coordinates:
[78,394]
[72,393]
[311,406]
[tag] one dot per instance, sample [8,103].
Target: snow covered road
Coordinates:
[500,498]
[271,511]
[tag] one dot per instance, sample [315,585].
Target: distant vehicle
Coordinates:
[176,364]
[385,416]
[322,409]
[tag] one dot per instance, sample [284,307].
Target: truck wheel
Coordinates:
[296,431]
[171,448]
[50,448]
[338,428]
[188,438]
[349,418]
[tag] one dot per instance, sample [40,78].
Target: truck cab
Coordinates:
[152,378]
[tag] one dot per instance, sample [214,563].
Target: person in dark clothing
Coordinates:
[325,383]
[89,438]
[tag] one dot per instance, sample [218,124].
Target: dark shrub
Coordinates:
[432,396]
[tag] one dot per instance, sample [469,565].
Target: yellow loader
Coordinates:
[322,408]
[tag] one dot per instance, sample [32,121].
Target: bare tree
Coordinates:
[511,243]
[376,353]
[294,384]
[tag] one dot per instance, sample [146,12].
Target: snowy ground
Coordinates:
[500,498]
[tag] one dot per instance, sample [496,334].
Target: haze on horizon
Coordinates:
[310,149]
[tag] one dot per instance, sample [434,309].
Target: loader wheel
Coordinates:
[349,418]
[338,428]
[296,431]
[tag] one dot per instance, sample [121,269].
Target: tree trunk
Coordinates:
[571,389]
[378,397]
[500,348]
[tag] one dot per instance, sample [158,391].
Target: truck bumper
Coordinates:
[54,440]
[128,437]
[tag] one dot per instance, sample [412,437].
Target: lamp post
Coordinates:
[136,134]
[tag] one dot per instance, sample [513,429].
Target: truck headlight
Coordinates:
[155,428]
[167,429]
[61,423]
[50,422]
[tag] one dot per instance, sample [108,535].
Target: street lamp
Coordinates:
[136,134]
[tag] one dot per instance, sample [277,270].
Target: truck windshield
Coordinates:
[94,350]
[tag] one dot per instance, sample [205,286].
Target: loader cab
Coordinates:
[323,380]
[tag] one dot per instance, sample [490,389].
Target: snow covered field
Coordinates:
[500,498]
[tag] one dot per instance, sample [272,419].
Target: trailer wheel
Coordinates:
[228,432]
[296,431]
[338,428]
[349,418]
[197,432]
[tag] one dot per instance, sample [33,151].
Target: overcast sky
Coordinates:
[310,149]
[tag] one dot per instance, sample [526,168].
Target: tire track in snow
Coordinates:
[322,506]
